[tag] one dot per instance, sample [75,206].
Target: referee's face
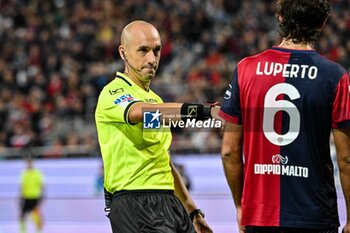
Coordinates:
[143,53]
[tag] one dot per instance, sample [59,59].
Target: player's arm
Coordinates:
[182,193]
[42,187]
[342,143]
[21,186]
[171,110]
[231,155]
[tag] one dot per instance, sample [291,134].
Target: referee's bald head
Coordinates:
[137,29]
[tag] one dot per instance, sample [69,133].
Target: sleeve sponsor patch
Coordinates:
[116,91]
[124,100]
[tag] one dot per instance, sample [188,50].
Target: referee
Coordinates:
[147,192]
[32,185]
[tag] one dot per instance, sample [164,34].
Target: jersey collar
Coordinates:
[128,80]
[124,77]
[282,49]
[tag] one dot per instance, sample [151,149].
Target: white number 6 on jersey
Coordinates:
[272,106]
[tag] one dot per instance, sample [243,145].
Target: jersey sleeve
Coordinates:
[114,107]
[341,104]
[231,108]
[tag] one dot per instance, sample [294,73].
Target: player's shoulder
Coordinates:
[330,65]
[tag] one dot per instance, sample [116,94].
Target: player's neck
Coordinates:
[289,44]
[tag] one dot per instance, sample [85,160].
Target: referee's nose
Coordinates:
[151,59]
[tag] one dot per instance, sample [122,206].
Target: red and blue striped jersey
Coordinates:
[287,102]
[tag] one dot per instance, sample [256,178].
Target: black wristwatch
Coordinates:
[195,212]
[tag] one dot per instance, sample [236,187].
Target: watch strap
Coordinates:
[196,212]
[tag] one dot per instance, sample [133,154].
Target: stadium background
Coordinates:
[55,57]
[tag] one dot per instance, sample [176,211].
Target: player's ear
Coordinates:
[280,18]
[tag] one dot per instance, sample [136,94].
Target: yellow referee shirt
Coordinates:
[31,184]
[133,158]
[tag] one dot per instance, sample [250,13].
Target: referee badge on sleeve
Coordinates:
[124,100]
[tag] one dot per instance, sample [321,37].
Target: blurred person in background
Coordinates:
[31,194]
[280,108]
[140,178]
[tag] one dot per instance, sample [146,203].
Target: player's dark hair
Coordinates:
[302,20]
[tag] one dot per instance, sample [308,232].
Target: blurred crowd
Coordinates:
[56,56]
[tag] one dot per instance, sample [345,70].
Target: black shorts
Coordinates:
[27,205]
[287,230]
[149,211]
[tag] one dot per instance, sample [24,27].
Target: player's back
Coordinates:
[293,92]
[286,104]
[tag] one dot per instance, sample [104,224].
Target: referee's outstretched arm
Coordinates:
[174,111]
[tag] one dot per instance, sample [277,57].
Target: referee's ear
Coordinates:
[121,51]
